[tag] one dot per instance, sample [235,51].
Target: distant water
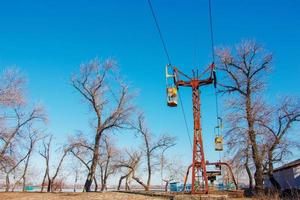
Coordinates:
[38,189]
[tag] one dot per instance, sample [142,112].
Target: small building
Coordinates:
[288,176]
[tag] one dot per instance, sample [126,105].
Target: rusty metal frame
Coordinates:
[199,163]
[230,170]
[198,160]
[211,163]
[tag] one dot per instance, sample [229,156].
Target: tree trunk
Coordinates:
[44,180]
[7,183]
[248,169]
[120,181]
[249,176]
[166,186]
[148,166]
[88,183]
[272,179]
[25,170]
[141,183]
[103,185]
[24,184]
[92,171]
[96,184]
[149,177]
[127,188]
[104,179]
[258,176]
[49,185]
[13,188]
[274,182]
[127,183]
[75,181]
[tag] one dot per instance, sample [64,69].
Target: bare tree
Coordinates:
[112,110]
[15,115]
[238,167]
[46,155]
[128,166]
[277,126]
[76,179]
[58,185]
[108,157]
[242,161]
[174,171]
[10,167]
[107,161]
[83,151]
[33,136]
[238,141]
[12,101]
[77,169]
[21,120]
[245,79]
[150,148]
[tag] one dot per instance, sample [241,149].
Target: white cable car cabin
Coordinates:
[172,98]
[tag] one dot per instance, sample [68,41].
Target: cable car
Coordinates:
[219,143]
[172,93]
[172,96]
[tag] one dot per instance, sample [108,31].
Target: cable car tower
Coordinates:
[176,79]
[199,175]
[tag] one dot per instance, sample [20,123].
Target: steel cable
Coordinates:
[169,60]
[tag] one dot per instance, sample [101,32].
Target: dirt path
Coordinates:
[74,196]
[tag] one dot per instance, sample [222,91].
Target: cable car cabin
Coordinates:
[219,143]
[172,96]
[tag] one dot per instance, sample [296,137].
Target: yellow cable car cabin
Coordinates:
[172,96]
[171,88]
[219,143]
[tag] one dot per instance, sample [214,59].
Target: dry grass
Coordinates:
[73,196]
[95,196]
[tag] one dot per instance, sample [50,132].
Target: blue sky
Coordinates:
[48,40]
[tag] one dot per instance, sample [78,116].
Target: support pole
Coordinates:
[198,166]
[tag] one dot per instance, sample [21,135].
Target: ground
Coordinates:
[77,196]
[73,196]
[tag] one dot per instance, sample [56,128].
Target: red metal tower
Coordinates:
[198,166]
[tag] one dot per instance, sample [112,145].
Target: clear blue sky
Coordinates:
[48,40]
